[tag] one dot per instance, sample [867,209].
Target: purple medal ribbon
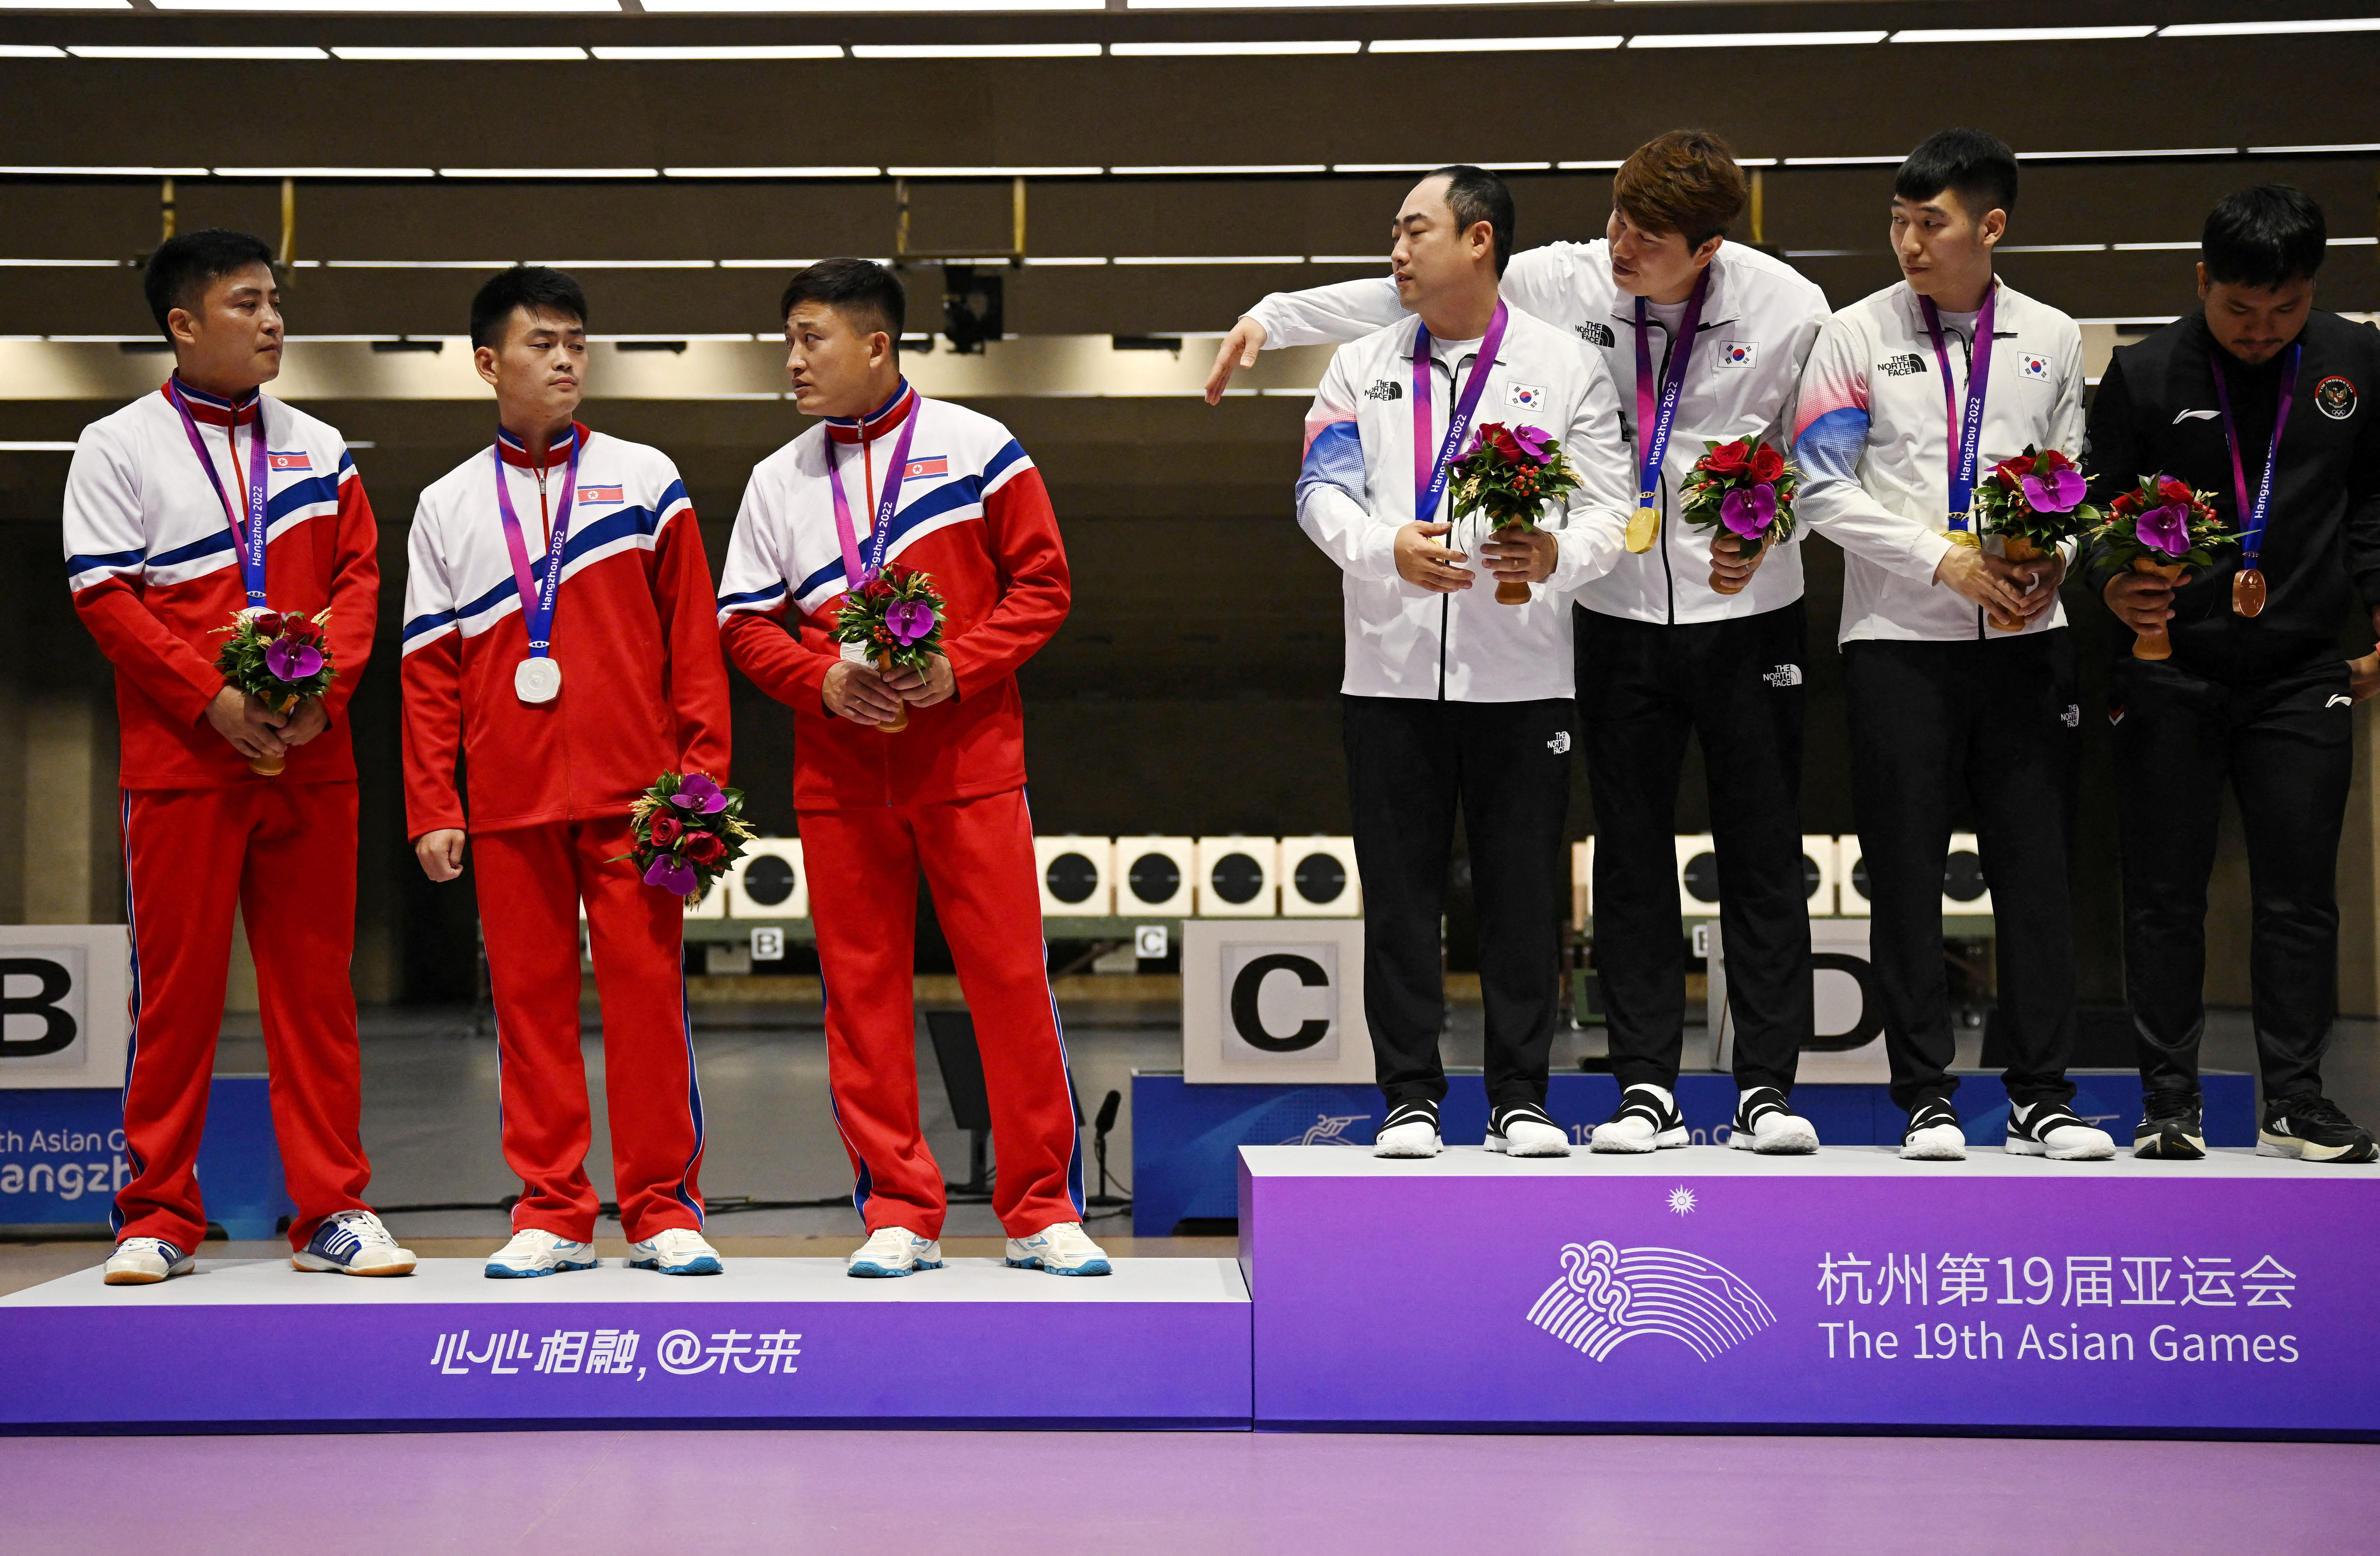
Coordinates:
[1652,426]
[1429,474]
[856,572]
[539,590]
[2252,517]
[250,536]
[1969,423]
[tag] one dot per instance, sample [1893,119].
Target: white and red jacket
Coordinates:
[153,563]
[975,516]
[643,688]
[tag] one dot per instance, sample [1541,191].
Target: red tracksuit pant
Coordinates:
[283,855]
[978,856]
[531,880]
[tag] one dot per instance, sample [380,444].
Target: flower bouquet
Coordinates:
[278,659]
[2162,528]
[897,618]
[1745,488]
[1508,476]
[688,830]
[2032,502]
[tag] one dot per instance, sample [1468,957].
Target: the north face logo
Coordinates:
[1559,744]
[1900,366]
[1596,334]
[1386,388]
[2072,717]
[1784,675]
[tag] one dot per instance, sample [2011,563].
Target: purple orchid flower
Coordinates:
[2165,528]
[908,620]
[699,794]
[2055,491]
[1749,511]
[292,661]
[672,873]
[1532,441]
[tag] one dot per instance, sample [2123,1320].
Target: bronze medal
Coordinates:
[2247,592]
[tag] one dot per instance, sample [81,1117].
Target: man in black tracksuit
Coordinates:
[2263,701]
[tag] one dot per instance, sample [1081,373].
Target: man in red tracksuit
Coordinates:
[893,478]
[560,631]
[159,500]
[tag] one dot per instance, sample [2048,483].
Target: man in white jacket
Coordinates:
[1453,699]
[1911,396]
[1661,651]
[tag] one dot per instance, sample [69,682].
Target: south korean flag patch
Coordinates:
[1739,353]
[1525,397]
[2031,366]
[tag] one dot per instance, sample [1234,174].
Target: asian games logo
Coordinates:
[1608,1295]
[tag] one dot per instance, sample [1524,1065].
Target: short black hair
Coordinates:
[1475,194]
[1974,164]
[179,272]
[861,290]
[534,287]
[2264,237]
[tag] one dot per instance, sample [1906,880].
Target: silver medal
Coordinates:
[537,681]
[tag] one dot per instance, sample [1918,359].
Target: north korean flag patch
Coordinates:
[299,461]
[601,494]
[1525,397]
[1739,353]
[929,469]
[2033,367]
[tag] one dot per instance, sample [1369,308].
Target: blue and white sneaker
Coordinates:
[893,1251]
[145,1262]
[353,1243]
[535,1252]
[1062,1250]
[678,1250]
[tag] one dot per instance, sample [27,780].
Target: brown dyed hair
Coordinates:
[1684,182]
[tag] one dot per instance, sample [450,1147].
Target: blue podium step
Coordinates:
[1848,1290]
[257,1345]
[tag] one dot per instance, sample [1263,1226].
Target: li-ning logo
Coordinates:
[1596,334]
[1900,366]
[1784,675]
[1329,1128]
[1608,1295]
[1559,744]
[1386,388]
[2339,702]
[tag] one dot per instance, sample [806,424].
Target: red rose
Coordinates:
[269,623]
[1503,443]
[666,830]
[703,848]
[1766,463]
[2176,491]
[2050,459]
[2129,504]
[296,629]
[1728,459]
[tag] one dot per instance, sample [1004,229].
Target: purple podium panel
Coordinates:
[1849,1290]
[257,1345]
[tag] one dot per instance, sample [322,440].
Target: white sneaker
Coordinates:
[536,1252]
[353,1243]
[1062,1250]
[893,1251]
[2051,1130]
[1410,1131]
[1934,1134]
[678,1250]
[1647,1120]
[1765,1123]
[1524,1131]
[145,1262]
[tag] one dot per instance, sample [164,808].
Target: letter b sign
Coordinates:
[39,1001]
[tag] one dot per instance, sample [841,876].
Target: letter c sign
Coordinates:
[1249,1022]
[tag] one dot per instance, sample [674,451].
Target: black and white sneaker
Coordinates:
[1934,1134]
[1765,1122]
[1523,1130]
[1411,1130]
[2051,1130]
[2312,1128]
[1647,1120]
[2172,1127]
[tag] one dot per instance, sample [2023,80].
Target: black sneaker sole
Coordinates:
[2169,1145]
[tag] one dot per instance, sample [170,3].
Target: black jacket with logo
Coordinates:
[2155,414]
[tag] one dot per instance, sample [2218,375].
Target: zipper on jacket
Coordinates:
[1446,602]
[1661,477]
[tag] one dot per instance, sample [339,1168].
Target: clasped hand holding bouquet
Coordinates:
[1507,477]
[276,668]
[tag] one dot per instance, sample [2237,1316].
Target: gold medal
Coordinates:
[1644,529]
[1966,538]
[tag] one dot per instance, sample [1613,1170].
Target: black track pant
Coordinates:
[1737,685]
[1998,717]
[1410,764]
[2284,746]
